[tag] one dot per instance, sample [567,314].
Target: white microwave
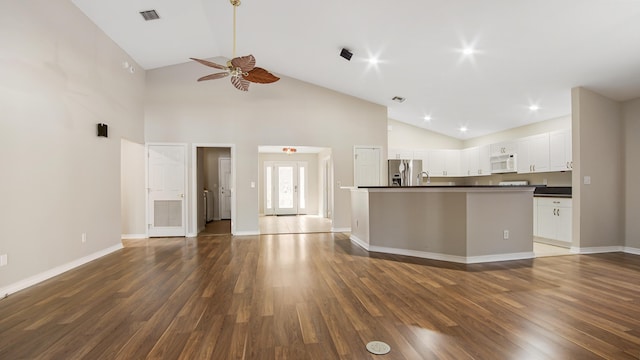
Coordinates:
[504,164]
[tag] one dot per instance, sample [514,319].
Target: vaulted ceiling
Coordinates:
[518,53]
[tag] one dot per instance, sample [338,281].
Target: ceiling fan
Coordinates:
[242,69]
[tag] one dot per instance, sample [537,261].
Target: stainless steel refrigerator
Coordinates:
[404,172]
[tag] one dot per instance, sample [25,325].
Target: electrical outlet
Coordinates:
[84,238]
[505,235]
[3,260]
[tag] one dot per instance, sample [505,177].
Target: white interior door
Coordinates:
[286,187]
[224,172]
[367,166]
[166,187]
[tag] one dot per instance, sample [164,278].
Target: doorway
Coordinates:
[285,186]
[214,189]
[293,190]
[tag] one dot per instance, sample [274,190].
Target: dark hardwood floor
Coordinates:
[317,296]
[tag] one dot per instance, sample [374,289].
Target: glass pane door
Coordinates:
[287,189]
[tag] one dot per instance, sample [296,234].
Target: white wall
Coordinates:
[180,109]
[60,77]
[631,116]
[405,136]
[598,152]
[561,123]
[132,196]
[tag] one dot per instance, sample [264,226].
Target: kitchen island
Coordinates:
[464,224]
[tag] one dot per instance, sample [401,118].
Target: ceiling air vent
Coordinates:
[149,15]
[399,99]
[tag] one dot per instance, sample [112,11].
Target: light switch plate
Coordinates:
[587,180]
[3,260]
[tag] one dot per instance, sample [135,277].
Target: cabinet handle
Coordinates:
[568,165]
[572,164]
[558,212]
[554,212]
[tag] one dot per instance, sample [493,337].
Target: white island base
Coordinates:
[459,224]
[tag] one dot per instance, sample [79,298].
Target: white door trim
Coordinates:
[146,182]
[193,208]
[220,197]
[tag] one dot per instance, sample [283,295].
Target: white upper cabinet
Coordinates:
[475,161]
[443,163]
[403,154]
[533,154]
[560,157]
[504,148]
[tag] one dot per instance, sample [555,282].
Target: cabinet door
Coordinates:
[452,162]
[437,159]
[484,160]
[539,153]
[560,150]
[524,163]
[565,217]
[424,156]
[535,216]
[546,221]
[465,157]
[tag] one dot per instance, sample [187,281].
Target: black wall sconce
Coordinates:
[103,130]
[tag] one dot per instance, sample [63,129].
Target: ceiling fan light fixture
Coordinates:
[242,69]
[399,99]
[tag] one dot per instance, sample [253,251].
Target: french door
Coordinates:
[285,187]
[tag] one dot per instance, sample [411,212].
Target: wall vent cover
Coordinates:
[150,15]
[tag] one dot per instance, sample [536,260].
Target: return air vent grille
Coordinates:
[149,15]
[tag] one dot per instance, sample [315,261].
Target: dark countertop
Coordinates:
[553,191]
[446,186]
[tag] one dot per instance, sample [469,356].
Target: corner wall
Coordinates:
[61,76]
[631,116]
[598,148]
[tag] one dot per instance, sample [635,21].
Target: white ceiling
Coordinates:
[526,52]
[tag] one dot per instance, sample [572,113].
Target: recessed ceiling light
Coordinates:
[534,107]
[468,51]
[463,129]
[373,61]
[427,118]
[399,99]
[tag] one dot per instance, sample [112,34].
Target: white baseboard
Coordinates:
[596,249]
[191,235]
[30,281]
[133,236]
[359,242]
[246,233]
[442,257]
[631,250]
[341,230]
[500,257]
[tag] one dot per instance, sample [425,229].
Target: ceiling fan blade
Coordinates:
[240,83]
[214,76]
[210,64]
[246,63]
[261,76]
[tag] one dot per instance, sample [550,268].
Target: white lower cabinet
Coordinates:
[553,219]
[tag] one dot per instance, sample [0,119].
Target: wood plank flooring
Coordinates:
[318,296]
[296,224]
